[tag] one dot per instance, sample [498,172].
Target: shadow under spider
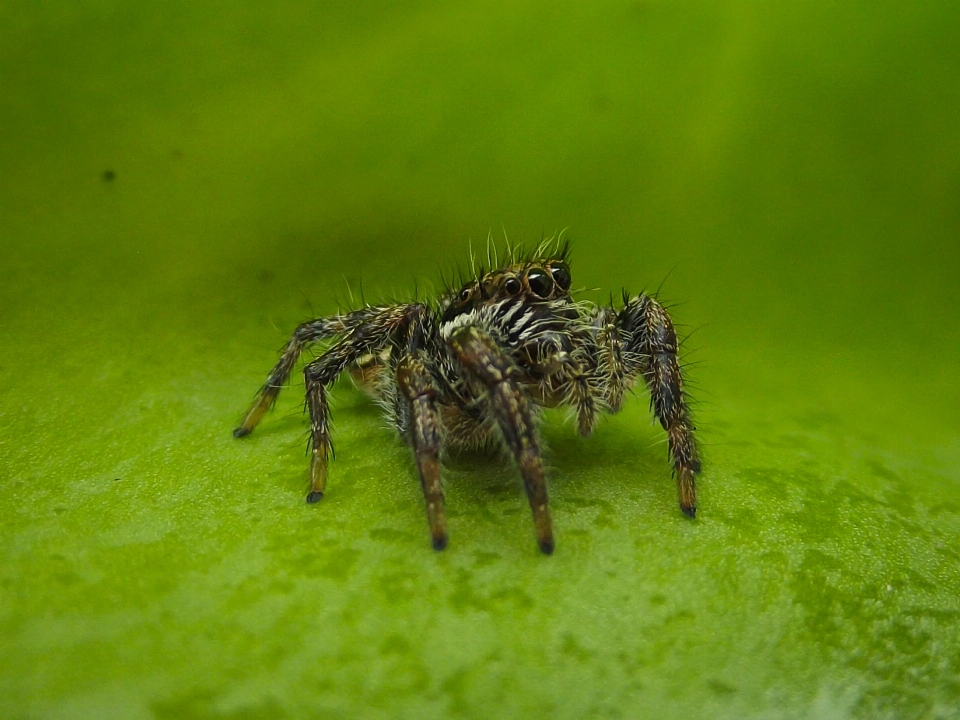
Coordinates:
[488,474]
[616,443]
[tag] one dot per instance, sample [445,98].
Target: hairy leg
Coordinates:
[483,359]
[583,397]
[418,390]
[318,376]
[321,446]
[367,337]
[610,354]
[652,346]
[305,334]
[568,381]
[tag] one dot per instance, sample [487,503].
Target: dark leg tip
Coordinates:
[690,512]
[314,496]
[241,432]
[440,543]
[546,546]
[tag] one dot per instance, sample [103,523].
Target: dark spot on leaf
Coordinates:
[720,687]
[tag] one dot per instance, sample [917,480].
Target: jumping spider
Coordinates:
[473,368]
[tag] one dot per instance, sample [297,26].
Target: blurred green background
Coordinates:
[181,183]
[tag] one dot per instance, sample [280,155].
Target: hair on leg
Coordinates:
[483,359]
[610,358]
[652,347]
[419,392]
[306,333]
[366,337]
[321,446]
[583,396]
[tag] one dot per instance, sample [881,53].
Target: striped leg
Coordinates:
[484,360]
[309,332]
[652,346]
[418,390]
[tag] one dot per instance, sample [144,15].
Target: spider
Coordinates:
[473,369]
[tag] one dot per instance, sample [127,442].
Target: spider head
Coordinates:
[539,280]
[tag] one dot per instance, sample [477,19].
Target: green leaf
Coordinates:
[182,183]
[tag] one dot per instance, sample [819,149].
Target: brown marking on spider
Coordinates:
[473,368]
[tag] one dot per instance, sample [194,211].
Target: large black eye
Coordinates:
[540,283]
[464,295]
[512,286]
[561,275]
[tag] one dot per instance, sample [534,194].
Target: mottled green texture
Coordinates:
[796,165]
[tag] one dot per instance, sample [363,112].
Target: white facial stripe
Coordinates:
[508,316]
[522,322]
[450,327]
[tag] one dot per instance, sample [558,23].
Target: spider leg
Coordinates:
[483,359]
[610,353]
[367,331]
[305,334]
[577,384]
[651,349]
[370,336]
[321,446]
[584,398]
[419,390]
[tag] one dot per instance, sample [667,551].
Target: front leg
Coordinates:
[651,349]
[419,392]
[484,360]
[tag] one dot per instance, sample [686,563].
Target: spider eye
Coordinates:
[464,295]
[512,286]
[540,283]
[561,275]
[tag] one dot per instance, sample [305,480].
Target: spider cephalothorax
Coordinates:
[473,369]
